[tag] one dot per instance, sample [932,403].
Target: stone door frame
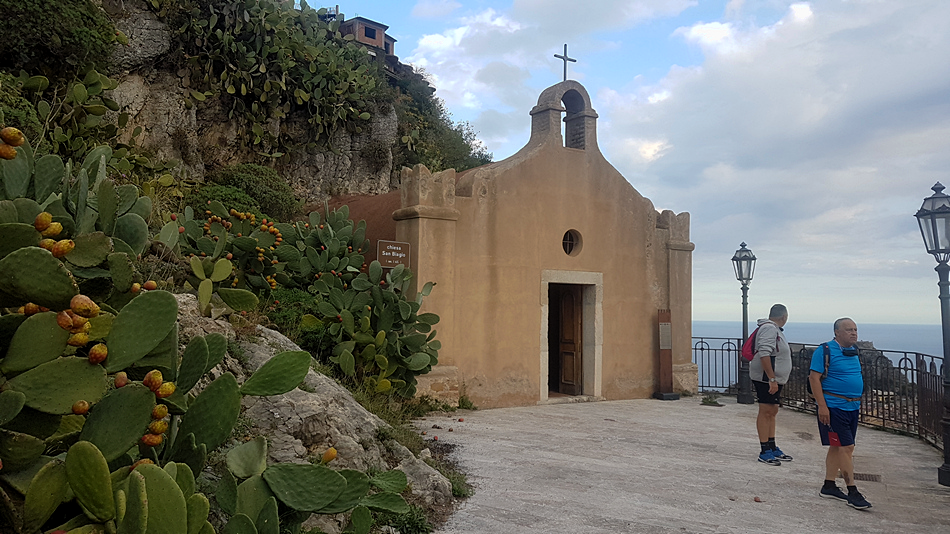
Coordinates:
[593,328]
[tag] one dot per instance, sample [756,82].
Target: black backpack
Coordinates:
[824,347]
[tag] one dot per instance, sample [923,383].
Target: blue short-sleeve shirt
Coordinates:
[844,377]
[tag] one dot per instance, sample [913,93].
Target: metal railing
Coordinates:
[903,390]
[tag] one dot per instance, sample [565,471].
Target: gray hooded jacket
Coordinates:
[771,342]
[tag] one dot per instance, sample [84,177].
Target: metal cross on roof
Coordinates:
[565,59]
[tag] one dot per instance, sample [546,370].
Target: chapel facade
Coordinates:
[552,272]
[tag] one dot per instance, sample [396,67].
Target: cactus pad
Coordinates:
[280,374]
[213,413]
[193,363]
[140,327]
[238,299]
[304,487]
[91,249]
[89,478]
[11,402]
[33,275]
[252,495]
[268,521]
[47,491]
[166,503]
[394,481]
[135,519]
[38,340]
[121,269]
[386,502]
[132,229]
[249,458]
[240,524]
[19,451]
[17,235]
[357,486]
[217,348]
[198,508]
[55,386]
[116,423]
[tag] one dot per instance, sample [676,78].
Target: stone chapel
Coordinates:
[551,270]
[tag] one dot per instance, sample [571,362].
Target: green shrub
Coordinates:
[263,185]
[54,36]
[229,196]
[17,111]
[412,522]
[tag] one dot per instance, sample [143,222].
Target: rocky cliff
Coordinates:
[204,138]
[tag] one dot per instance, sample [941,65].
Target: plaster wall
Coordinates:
[494,242]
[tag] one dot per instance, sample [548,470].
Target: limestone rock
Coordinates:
[300,425]
[149,37]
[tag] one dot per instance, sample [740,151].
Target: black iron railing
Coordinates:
[903,390]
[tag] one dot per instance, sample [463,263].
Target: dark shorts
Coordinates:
[762,392]
[844,425]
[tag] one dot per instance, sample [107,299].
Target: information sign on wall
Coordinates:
[392,253]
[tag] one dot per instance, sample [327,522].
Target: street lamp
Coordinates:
[744,263]
[934,220]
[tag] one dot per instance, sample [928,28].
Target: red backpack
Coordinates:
[748,348]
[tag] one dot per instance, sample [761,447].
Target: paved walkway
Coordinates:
[664,467]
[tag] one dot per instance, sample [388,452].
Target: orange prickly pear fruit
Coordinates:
[121,379]
[152,440]
[328,456]
[151,285]
[83,328]
[47,244]
[136,287]
[98,353]
[29,308]
[53,229]
[159,411]
[140,462]
[64,320]
[165,390]
[81,407]
[12,136]
[78,340]
[83,306]
[78,321]
[153,380]
[43,221]
[7,151]
[157,427]
[63,247]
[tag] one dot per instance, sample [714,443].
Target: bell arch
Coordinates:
[580,120]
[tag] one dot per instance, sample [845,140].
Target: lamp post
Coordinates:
[934,220]
[744,263]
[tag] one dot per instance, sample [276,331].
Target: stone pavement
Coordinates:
[664,467]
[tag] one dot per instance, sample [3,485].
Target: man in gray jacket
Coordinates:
[769,371]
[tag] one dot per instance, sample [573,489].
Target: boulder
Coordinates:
[301,424]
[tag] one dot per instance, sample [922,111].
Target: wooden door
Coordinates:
[569,342]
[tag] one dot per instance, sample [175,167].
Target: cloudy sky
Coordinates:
[810,130]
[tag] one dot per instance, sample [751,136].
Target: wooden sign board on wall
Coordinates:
[392,253]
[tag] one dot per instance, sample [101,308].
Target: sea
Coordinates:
[923,338]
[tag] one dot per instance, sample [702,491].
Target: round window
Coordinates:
[571,242]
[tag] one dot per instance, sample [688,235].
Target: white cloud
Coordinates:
[434,9]
[812,135]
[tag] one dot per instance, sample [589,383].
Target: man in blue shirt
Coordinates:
[838,395]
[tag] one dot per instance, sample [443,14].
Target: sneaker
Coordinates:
[768,457]
[779,455]
[857,501]
[833,493]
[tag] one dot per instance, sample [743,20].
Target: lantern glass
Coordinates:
[744,263]
[934,220]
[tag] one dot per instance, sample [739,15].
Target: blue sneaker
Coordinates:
[857,501]
[779,455]
[768,457]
